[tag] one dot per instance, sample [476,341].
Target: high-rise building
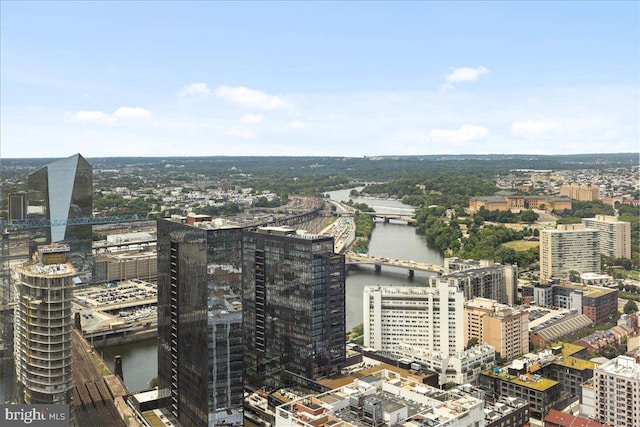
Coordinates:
[43,354]
[617,387]
[503,327]
[571,247]
[615,236]
[482,279]
[200,367]
[18,206]
[428,317]
[62,192]
[293,306]
[581,192]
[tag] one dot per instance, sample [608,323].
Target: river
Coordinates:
[394,240]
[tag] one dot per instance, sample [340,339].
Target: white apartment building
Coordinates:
[42,333]
[617,392]
[569,247]
[427,317]
[615,236]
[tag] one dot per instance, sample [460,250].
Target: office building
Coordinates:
[617,392]
[200,367]
[293,307]
[582,192]
[502,327]
[571,247]
[428,317]
[62,193]
[18,206]
[614,235]
[43,354]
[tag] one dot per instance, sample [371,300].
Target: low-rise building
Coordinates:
[557,418]
[459,368]
[541,393]
[383,399]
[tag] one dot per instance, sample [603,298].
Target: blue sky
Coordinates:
[318,78]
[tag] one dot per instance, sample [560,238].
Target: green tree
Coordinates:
[472,341]
[528,216]
[630,307]
[153,383]
[574,276]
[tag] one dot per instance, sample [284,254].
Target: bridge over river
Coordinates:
[351,259]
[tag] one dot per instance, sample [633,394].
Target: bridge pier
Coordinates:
[386,220]
[411,273]
[378,268]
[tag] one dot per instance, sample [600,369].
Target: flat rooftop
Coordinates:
[533,382]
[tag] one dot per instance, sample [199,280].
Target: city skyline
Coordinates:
[318,79]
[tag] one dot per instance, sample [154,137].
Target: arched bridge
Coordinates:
[378,262]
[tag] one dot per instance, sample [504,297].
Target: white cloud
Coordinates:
[466,133]
[463,74]
[91,116]
[532,128]
[120,113]
[195,89]
[466,74]
[297,124]
[132,113]
[250,98]
[252,118]
[242,133]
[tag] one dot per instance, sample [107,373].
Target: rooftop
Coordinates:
[535,382]
[575,363]
[623,366]
[567,420]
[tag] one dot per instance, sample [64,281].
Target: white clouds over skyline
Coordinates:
[195,89]
[250,98]
[241,133]
[466,133]
[532,128]
[132,113]
[463,74]
[545,121]
[252,118]
[135,113]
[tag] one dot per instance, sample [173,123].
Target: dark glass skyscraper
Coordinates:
[62,192]
[200,367]
[293,307]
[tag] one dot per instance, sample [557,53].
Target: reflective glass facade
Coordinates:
[293,306]
[61,192]
[200,366]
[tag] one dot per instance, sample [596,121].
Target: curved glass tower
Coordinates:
[62,193]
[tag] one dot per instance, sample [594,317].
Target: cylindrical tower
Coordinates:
[43,324]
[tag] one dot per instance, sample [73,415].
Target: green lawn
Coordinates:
[521,245]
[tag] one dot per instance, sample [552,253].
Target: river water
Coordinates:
[395,240]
